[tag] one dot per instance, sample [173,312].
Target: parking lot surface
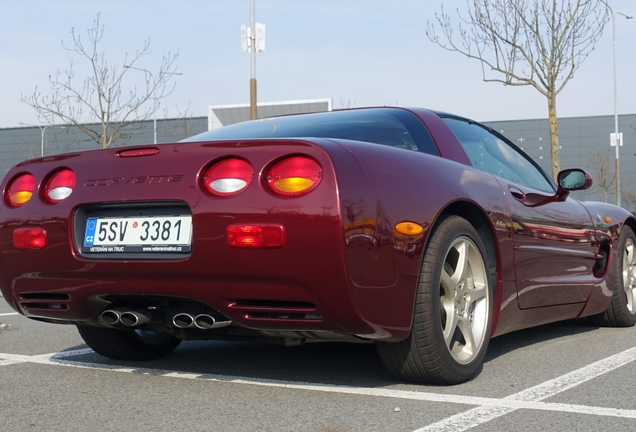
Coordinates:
[563,376]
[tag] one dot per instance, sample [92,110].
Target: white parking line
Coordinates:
[486,408]
[479,415]
[9,314]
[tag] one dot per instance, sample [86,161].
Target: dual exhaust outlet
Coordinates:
[127,317]
[201,321]
[182,320]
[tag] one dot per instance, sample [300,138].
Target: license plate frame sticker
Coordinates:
[138,234]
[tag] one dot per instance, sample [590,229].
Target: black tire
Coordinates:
[622,277]
[128,344]
[447,299]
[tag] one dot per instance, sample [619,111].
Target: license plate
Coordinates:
[147,234]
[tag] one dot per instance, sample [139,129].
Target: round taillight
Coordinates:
[59,186]
[228,177]
[294,176]
[20,190]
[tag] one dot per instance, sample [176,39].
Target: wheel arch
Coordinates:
[477,217]
[631,222]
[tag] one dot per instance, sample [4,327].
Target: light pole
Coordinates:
[154,95]
[42,129]
[253,114]
[253,40]
[617,140]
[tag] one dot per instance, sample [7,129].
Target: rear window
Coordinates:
[386,126]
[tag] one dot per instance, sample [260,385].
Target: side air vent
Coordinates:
[284,316]
[51,301]
[277,310]
[274,304]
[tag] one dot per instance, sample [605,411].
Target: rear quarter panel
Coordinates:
[402,186]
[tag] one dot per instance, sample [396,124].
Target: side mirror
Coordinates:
[574,179]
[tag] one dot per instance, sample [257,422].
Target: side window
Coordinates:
[491,154]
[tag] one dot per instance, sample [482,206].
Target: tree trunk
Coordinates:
[554,135]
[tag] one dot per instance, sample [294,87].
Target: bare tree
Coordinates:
[347,104]
[539,43]
[181,126]
[602,171]
[98,105]
[629,200]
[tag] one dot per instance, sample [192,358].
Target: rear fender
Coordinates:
[407,186]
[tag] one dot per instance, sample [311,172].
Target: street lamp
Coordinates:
[616,140]
[42,129]
[154,94]
[253,40]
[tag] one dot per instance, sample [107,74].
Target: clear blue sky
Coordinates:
[357,52]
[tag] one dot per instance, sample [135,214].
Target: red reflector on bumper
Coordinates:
[256,235]
[29,238]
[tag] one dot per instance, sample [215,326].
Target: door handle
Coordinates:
[517,193]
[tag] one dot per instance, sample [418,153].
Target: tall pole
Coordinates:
[617,140]
[252,44]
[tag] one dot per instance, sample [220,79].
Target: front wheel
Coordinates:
[453,310]
[128,344]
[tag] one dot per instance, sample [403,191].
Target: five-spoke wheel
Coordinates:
[453,310]
[629,275]
[464,300]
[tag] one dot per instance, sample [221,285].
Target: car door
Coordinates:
[553,238]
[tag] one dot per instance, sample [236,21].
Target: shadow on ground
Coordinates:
[329,363]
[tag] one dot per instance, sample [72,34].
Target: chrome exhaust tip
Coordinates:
[204,321]
[111,316]
[134,317]
[183,320]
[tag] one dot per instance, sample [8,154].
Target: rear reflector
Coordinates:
[257,235]
[20,190]
[29,238]
[294,176]
[59,186]
[228,177]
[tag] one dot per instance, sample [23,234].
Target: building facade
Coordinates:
[584,141]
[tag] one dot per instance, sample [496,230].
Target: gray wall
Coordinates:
[579,137]
[18,144]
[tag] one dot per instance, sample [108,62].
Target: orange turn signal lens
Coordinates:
[409,228]
[293,184]
[294,176]
[20,190]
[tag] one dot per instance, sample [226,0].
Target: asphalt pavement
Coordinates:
[565,376]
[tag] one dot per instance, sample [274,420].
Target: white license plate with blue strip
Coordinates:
[146,234]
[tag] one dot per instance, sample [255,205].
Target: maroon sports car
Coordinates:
[421,231]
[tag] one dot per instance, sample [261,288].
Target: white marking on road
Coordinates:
[486,408]
[9,314]
[476,416]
